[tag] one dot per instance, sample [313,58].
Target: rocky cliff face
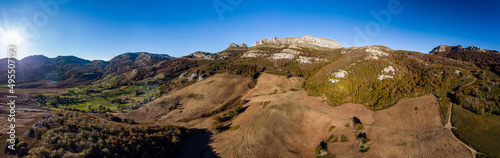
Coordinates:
[243,45]
[234,46]
[304,42]
[202,55]
[443,48]
[215,56]
[483,58]
[440,48]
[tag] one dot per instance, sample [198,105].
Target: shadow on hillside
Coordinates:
[356,120]
[227,118]
[451,96]
[197,145]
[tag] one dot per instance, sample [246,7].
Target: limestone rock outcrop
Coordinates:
[304,42]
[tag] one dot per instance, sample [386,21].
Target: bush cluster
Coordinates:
[85,135]
[478,99]
[361,85]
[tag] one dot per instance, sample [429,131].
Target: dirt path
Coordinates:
[470,83]
[449,126]
[27,96]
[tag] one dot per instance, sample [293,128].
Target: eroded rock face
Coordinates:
[243,45]
[440,48]
[291,51]
[459,47]
[374,53]
[443,48]
[253,53]
[317,41]
[304,41]
[203,55]
[279,56]
[211,56]
[473,48]
[192,77]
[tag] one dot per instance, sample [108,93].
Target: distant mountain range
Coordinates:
[69,71]
[486,59]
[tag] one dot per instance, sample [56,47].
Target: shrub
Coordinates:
[217,119]
[31,132]
[330,138]
[234,127]
[321,148]
[364,145]
[344,138]
[331,128]
[218,128]
[116,100]
[359,127]
[129,121]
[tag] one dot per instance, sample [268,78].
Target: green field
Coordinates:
[482,132]
[122,97]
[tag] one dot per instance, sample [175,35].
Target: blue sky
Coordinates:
[94,29]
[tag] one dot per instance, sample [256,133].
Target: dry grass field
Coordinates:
[24,117]
[293,124]
[283,121]
[185,106]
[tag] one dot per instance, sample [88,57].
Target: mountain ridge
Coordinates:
[289,94]
[280,52]
[69,71]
